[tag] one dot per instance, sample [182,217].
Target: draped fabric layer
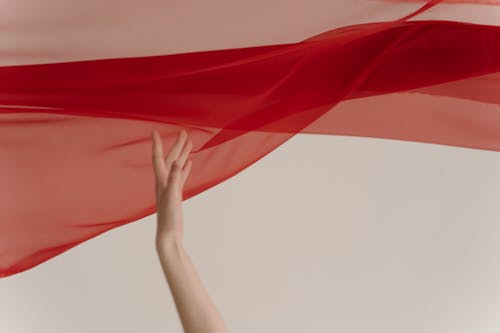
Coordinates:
[75,136]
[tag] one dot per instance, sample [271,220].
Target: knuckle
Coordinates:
[174,173]
[176,165]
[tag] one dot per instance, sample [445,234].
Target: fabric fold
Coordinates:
[75,136]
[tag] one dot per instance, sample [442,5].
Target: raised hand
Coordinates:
[197,312]
[171,173]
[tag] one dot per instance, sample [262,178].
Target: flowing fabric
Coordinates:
[75,128]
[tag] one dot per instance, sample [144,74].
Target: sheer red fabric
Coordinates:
[75,136]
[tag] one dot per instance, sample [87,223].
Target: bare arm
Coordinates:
[196,310]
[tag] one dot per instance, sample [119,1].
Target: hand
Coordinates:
[170,175]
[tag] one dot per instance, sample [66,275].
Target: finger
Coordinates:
[174,176]
[158,163]
[185,172]
[176,148]
[185,153]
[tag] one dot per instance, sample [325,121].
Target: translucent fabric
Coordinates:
[75,135]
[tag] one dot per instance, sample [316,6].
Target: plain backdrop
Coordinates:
[324,234]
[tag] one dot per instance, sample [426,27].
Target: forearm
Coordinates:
[197,312]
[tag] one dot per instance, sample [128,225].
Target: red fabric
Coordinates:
[487,2]
[75,136]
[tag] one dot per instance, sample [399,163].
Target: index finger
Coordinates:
[158,162]
[176,149]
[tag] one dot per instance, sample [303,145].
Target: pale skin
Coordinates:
[197,312]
